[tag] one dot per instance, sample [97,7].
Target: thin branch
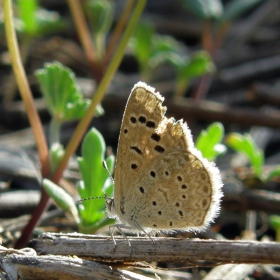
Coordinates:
[192,252]
[26,264]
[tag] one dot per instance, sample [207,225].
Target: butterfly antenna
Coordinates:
[106,168]
[105,195]
[92,197]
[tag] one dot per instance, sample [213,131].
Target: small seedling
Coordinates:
[209,141]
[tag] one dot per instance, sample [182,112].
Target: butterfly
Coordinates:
[161,181]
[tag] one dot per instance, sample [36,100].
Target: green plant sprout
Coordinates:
[209,141]
[190,67]
[216,19]
[274,222]
[95,182]
[36,21]
[64,101]
[205,9]
[215,9]
[150,49]
[100,14]
[62,199]
[246,145]
[89,215]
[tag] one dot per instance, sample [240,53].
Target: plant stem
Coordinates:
[117,31]
[32,116]
[55,126]
[11,83]
[25,89]
[82,29]
[110,71]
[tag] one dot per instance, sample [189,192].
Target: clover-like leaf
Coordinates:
[61,93]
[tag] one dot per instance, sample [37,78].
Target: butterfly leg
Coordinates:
[119,227]
[145,232]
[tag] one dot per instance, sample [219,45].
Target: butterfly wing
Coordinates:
[153,152]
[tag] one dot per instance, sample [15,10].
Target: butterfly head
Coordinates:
[110,204]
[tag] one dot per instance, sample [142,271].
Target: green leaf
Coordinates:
[246,145]
[61,198]
[63,98]
[101,15]
[236,8]
[48,22]
[142,42]
[56,154]
[94,177]
[208,142]
[274,222]
[151,49]
[36,21]
[198,65]
[274,173]
[164,43]
[163,48]
[27,10]
[187,68]
[205,9]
